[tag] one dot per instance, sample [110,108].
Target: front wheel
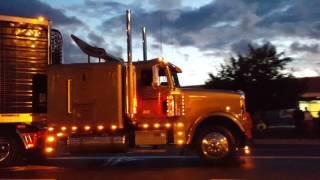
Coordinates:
[216,144]
[10,151]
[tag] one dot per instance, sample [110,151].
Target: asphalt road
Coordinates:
[271,162]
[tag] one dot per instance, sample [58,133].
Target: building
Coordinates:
[310,98]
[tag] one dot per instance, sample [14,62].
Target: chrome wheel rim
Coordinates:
[4,149]
[215,145]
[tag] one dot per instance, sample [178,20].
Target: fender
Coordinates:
[26,135]
[193,127]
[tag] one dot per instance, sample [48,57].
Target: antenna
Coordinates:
[160,33]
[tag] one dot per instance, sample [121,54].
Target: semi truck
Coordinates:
[108,106]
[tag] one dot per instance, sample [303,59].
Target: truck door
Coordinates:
[154,88]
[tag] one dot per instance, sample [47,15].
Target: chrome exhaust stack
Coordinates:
[144,43]
[129,37]
[130,76]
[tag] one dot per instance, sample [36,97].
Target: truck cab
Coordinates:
[200,118]
[88,109]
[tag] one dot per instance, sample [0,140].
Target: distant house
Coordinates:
[310,98]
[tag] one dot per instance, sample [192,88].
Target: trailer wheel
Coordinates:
[216,145]
[10,151]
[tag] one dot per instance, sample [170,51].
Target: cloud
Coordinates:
[187,26]
[35,8]
[220,24]
[241,47]
[165,4]
[71,52]
[295,18]
[97,8]
[95,39]
[311,48]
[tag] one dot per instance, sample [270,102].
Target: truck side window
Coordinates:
[146,77]
[163,80]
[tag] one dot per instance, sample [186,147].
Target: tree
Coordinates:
[259,73]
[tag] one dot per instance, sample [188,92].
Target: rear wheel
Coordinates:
[10,151]
[216,144]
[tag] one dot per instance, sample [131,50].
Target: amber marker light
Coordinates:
[49,150]
[145,126]
[30,146]
[51,139]
[156,125]
[247,150]
[63,128]
[87,128]
[113,127]
[180,133]
[168,125]
[74,128]
[180,125]
[50,129]
[100,127]
[180,141]
[59,134]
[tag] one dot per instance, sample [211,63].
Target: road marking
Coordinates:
[31,168]
[280,157]
[133,158]
[286,142]
[25,179]
[122,157]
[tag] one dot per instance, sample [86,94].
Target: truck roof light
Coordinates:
[51,129]
[60,134]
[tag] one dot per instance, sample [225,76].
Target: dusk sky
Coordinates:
[196,35]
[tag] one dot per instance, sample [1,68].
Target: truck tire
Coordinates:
[10,151]
[216,145]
